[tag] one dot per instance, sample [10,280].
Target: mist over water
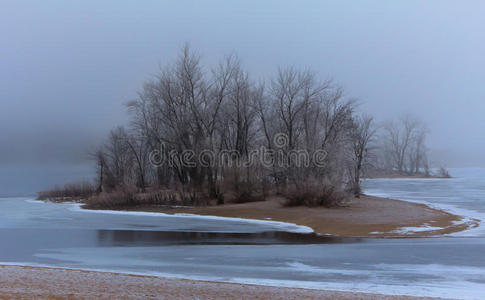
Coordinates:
[28,180]
[66,68]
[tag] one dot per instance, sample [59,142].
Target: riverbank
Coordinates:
[22,282]
[366,216]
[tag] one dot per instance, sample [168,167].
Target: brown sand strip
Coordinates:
[362,217]
[18,282]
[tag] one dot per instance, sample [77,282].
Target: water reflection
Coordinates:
[157,238]
[23,244]
[15,239]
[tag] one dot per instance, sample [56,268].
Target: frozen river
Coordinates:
[272,253]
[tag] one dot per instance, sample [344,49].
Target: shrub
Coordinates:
[118,198]
[241,185]
[314,195]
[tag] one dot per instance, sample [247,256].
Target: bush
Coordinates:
[74,191]
[240,185]
[314,195]
[118,198]
[248,192]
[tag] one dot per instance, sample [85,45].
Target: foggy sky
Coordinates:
[67,67]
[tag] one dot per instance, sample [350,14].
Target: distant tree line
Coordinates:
[401,148]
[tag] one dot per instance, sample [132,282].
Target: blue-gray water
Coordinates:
[234,250]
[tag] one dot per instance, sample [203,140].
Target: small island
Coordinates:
[242,150]
[296,150]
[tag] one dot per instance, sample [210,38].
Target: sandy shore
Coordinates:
[363,217]
[45,283]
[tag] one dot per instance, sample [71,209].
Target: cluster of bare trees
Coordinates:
[403,147]
[188,107]
[122,161]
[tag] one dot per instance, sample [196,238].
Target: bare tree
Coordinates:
[100,159]
[405,144]
[118,159]
[362,135]
[139,150]
[417,153]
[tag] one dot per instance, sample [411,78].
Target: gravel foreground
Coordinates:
[19,282]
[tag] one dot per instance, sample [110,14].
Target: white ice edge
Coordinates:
[395,290]
[34,201]
[289,227]
[424,228]
[467,215]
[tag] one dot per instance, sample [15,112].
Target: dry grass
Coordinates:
[74,191]
[128,197]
